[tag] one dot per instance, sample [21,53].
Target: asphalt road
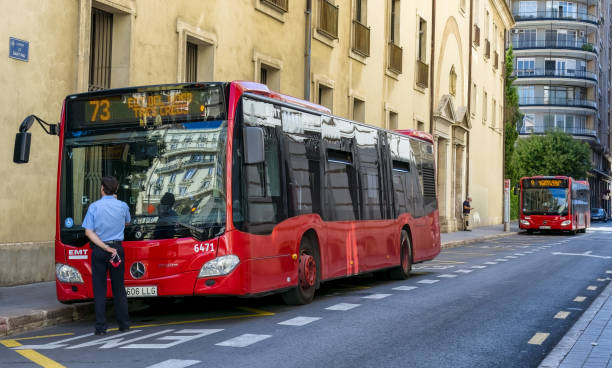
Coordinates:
[501,303]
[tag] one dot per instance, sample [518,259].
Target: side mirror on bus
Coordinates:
[21,155]
[253,145]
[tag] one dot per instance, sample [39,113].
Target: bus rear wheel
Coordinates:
[403,271]
[308,270]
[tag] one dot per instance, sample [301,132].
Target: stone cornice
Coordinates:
[505,14]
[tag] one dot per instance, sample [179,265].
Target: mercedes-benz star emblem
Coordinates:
[137,270]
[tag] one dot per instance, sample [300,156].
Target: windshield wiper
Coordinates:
[194,231]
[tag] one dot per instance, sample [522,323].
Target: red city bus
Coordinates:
[237,190]
[554,203]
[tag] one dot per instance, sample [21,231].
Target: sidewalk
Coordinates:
[588,343]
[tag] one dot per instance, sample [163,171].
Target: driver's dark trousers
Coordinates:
[100,267]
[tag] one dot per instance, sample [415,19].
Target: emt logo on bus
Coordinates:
[78,253]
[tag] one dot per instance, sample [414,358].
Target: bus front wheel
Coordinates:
[308,269]
[403,271]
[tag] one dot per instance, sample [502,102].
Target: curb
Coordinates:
[37,319]
[563,348]
[456,243]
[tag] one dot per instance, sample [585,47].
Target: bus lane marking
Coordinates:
[427,281]
[179,337]
[580,299]
[479,267]
[405,288]
[376,296]
[490,263]
[538,338]
[32,355]
[243,340]
[299,321]
[592,288]
[501,260]
[562,315]
[464,271]
[585,254]
[343,306]
[512,257]
[447,275]
[174,363]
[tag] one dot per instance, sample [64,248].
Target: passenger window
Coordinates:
[340,183]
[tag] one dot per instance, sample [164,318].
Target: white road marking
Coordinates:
[427,281]
[601,280]
[118,340]
[447,275]
[501,260]
[405,288]
[479,267]
[177,337]
[528,252]
[538,338]
[174,363]
[243,340]
[585,254]
[299,321]
[51,345]
[343,306]
[490,263]
[376,296]
[464,271]
[562,315]
[511,257]
[580,299]
[592,288]
[519,254]
[608,272]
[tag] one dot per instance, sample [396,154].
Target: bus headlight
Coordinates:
[566,222]
[66,273]
[219,266]
[524,222]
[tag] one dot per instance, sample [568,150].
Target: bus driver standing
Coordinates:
[104,224]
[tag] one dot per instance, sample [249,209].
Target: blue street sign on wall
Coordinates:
[19,49]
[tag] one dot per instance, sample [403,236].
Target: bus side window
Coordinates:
[300,186]
[341,198]
[369,173]
[263,183]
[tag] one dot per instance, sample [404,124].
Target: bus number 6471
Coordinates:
[204,247]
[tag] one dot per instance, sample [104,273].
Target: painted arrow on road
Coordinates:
[585,254]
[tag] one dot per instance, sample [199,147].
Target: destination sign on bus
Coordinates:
[545,183]
[152,107]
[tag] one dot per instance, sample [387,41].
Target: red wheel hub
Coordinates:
[307,271]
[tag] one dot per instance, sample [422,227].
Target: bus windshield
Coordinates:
[545,201]
[171,177]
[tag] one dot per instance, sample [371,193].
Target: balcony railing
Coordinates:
[557,101]
[556,15]
[361,38]
[328,18]
[555,73]
[395,58]
[422,74]
[542,129]
[487,48]
[555,44]
[281,5]
[476,35]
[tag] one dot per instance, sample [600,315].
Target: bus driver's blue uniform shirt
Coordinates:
[107,218]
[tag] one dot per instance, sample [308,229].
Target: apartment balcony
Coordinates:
[579,49]
[361,38]
[328,19]
[395,58]
[543,129]
[570,19]
[280,5]
[560,76]
[422,74]
[561,103]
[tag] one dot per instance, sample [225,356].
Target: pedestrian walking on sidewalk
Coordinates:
[467,207]
[104,224]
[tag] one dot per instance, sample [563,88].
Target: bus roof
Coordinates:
[416,134]
[262,89]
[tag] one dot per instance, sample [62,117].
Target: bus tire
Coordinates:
[403,271]
[308,269]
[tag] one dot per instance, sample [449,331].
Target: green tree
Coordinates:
[512,115]
[555,153]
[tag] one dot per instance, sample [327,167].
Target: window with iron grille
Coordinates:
[100,52]
[191,64]
[280,5]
